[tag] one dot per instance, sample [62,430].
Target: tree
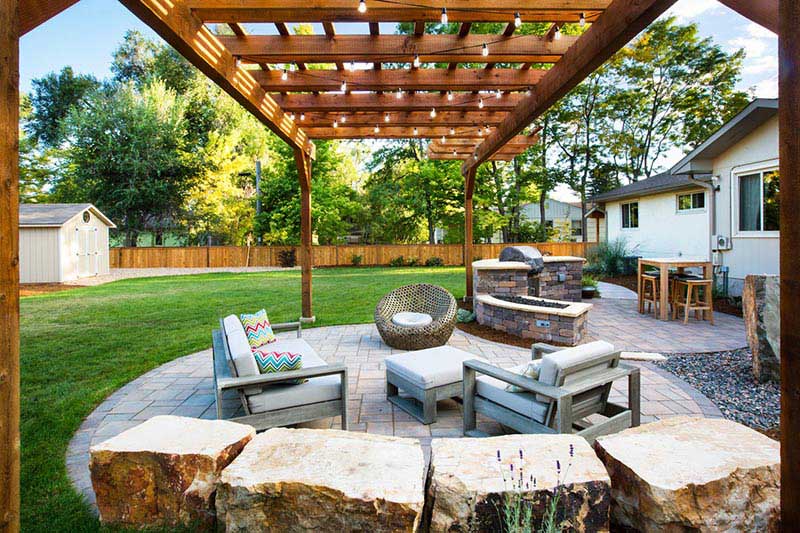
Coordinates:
[54,96]
[34,171]
[128,155]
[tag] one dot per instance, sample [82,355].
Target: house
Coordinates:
[720,202]
[565,219]
[62,242]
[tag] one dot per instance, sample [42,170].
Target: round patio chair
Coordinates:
[419,298]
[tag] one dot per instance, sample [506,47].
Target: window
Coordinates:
[577,228]
[759,201]
[691,201]
[630,215]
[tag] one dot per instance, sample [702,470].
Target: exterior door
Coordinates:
[87,251]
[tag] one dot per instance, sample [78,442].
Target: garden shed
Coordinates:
[62,242]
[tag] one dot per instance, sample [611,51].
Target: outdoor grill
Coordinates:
[531,257]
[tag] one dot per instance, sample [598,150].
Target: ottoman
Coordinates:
[426,376]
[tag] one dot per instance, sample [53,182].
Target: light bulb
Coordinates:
[449,96]
[517,20]
[480,103]
[480,132]
[302,116]
[291,116]
[386,117]
[284,75]
[444,139]
[485,50]
[344,86]
[335,124]
[352,66]
[433,112]
[399,93]
[557,34]
[454,153]
[498,94]
[362,6]
[343,119]
[452,131]
[417,62]
[486,129]
[377,129]
[238,62]
[416,131]
[583,20]
[528,91]
[444,15]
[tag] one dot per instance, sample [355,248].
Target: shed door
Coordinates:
[87,251]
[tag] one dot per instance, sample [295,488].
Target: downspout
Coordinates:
[712,219]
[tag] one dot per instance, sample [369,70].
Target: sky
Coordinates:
[85,35]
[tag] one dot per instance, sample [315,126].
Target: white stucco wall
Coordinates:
[752,253]
[663,231]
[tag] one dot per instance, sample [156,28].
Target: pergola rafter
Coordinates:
[420,80]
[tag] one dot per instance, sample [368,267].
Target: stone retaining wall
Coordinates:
[559,329]
[510,282]
[569,289]
[514,280]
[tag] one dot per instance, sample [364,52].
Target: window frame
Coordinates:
[748,170]
[622,207]
[690,210]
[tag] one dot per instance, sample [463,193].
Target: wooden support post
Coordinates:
[469,188]
[9,266]
[306,252]
[789,121]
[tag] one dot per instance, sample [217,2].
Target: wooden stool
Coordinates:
[650,293]
[696,297]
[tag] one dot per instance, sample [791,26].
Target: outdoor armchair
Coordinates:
[419,298]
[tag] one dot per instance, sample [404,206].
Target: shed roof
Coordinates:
[56,215]
[655,184]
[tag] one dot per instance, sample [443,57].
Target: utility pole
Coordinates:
[258,193]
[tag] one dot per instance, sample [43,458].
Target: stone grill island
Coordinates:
[536,297]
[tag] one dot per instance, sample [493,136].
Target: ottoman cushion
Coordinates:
[430,368]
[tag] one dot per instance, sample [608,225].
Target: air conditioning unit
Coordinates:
[720,243]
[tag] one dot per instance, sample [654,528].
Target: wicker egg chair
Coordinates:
[418,298]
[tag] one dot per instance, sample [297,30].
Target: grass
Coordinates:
[79,346]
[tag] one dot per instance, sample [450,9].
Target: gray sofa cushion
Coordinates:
[524,403]
[554,362]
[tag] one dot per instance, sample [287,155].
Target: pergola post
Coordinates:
[9,266]
[306,251]
[469,188]
[789,120]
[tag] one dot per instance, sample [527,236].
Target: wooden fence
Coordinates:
[324,256]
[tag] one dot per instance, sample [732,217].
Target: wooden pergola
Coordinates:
[373,86]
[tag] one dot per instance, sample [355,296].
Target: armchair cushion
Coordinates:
[239,347]
[314,390]
[554,362]
[408,319]
[524,403]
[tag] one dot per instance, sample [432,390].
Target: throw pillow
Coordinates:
[258,329]
[531,371]
[271,362]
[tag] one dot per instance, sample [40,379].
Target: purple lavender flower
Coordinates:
[558,466]
[571,450]
[520,453]
[533,479]
[511,465]
[498,456]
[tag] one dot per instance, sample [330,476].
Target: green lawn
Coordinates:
[79,346]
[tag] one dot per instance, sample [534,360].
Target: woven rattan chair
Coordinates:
[420,298]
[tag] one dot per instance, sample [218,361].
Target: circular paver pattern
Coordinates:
[185,387]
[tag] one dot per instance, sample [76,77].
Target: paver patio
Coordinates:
[184,387]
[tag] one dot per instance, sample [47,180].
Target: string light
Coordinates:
[485,50]
[449,96]
[454,152]
[498,94]
[444,15]
[416,131]
[528,91]
[302,116]
[480,103]
[238,62]
[343,119]
[557,34]
[377,129]
[399,94]
[352,66]
[433,112]
[291,116]
[583,20]
[417,62]
[517,20]
[480,132]
[344,86]
[285,75]
[444,139]
[335,124]
[386,117]
[452,131]
[362,6]
[486,129]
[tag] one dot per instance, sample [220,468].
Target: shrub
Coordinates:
[610,258]
[413,261]
[589,281]
[397,261]
[532,231]
[356,259]
[434,262]
[287,258]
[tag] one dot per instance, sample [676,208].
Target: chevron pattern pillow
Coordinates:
[271,362]
[257,328]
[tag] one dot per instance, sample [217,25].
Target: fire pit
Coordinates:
[524,300]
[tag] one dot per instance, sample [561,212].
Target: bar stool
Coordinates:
[651,283]
[693,293]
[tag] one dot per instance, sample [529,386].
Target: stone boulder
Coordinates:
[293,480]
[761,303]
[693,474]
[468,487]
[164,471]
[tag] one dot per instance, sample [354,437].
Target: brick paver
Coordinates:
[184,387]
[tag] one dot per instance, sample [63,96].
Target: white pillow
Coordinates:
[408,319]
[530,371]
[239,347]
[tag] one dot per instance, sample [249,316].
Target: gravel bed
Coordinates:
[726,378]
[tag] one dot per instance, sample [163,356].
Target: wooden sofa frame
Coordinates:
[567,407]
[226,378]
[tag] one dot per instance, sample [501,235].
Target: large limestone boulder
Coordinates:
[468,487]
[290,480]
[164,471]
[761,304]
[687,474]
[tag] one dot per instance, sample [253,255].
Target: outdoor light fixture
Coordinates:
[449,96]
[362,6]
[444,15]
[285,75]
[485,50]
[433,112]
[583,20]
[344,86]
[399,93]
[480,103]
[517,20]
[417,62]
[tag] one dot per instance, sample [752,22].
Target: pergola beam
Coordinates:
[409,119]
[396,48]
[622,21]
[176,25]
[344,11]
[506,79]
[763,12]
[34,12]
[339,103]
